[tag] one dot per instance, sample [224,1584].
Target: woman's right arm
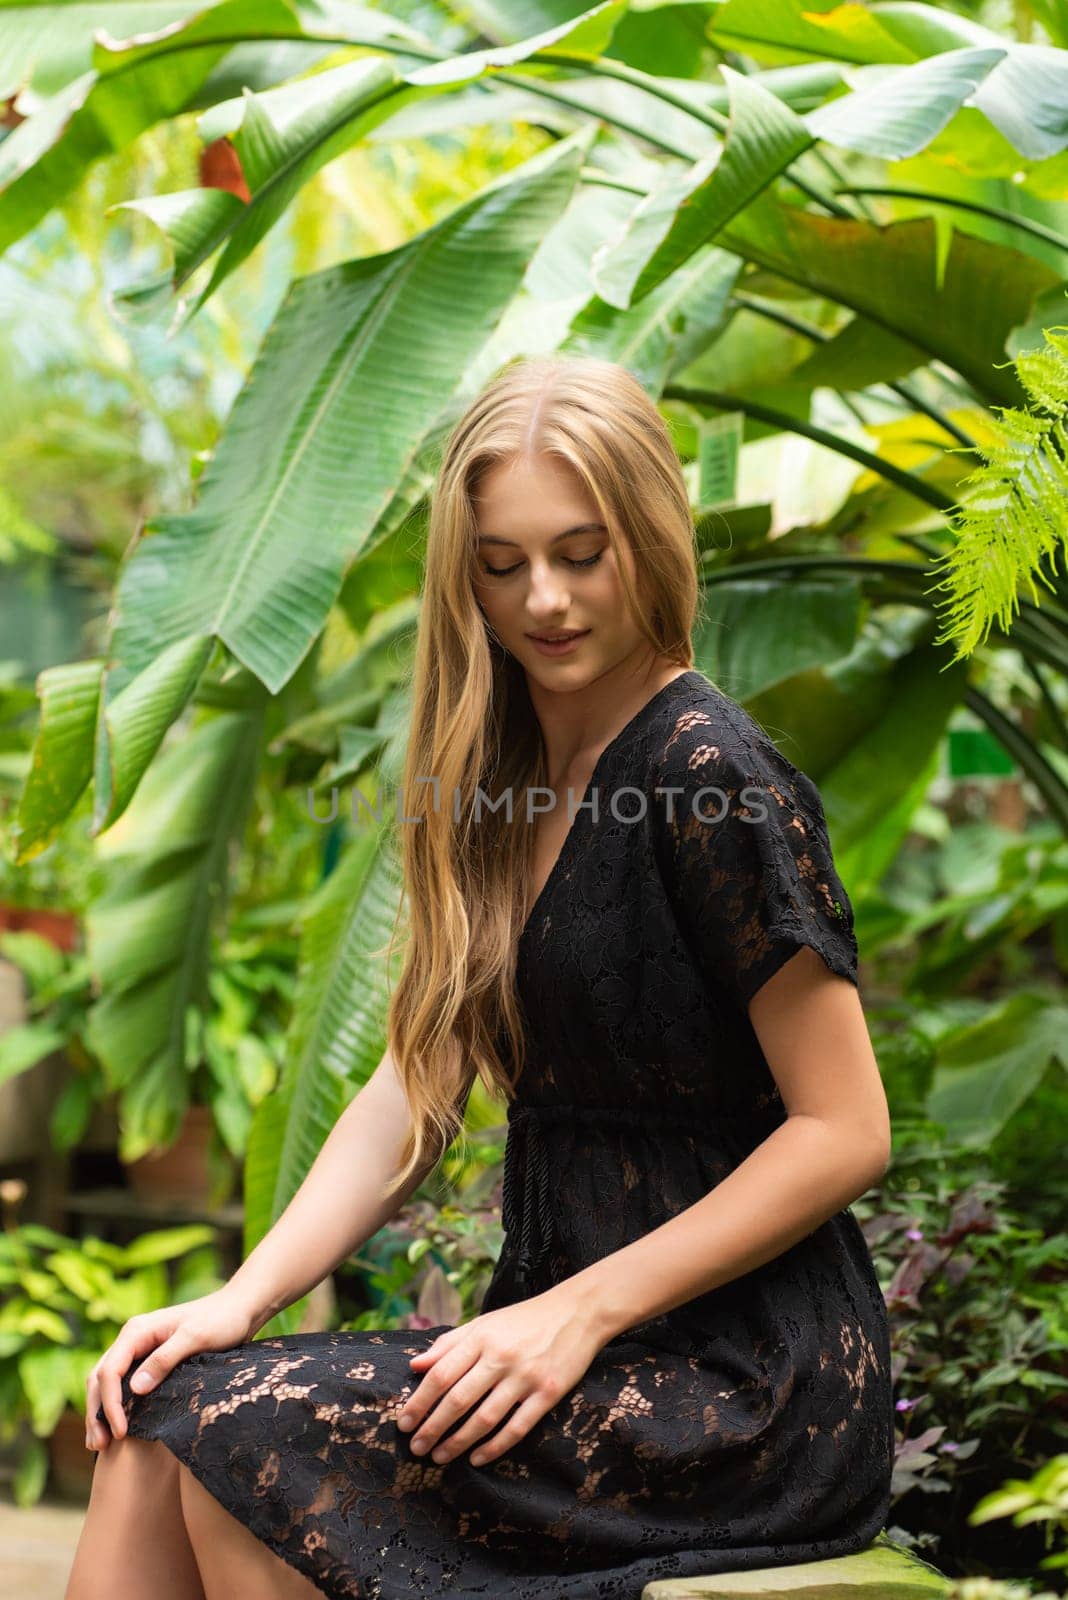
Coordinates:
[337,1208]
[339,1205]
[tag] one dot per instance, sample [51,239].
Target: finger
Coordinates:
[516,1428]
[456,1403]
[162,1359]
[109,1378]
[437,1381]
[496,1406]
[96,1437]
[443,1343]
[133,1343]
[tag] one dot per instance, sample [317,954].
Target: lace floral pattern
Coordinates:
[749,858]
[751,1426]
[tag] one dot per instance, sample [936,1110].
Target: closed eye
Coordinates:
[502,572]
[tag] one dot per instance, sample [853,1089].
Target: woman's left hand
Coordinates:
[528,1354]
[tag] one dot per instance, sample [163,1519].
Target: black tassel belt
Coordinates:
[528,1217]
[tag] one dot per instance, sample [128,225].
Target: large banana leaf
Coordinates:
[685,213]
[337,1035]
[124,92]
[867,727]
[1025,96]
[900,115]
[985,1072]
[667,328]
[135,722]
[782,31]
[61,762]
[149,931]
[275,162]
[286,135]
[356,369]
[556,308]
[134,725]
[43,47]
[910,701]
[757,632]
[896,111]
[888,275]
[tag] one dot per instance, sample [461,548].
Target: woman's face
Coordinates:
[555,571]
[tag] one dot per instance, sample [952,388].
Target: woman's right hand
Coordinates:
[159,1340]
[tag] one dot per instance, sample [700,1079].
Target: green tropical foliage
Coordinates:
[63,1303]
[863,377]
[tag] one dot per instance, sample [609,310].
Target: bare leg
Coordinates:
[232,1561]
[133,1544]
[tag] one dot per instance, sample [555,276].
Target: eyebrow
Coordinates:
[581,527]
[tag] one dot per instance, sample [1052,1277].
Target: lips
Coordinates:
[557,638]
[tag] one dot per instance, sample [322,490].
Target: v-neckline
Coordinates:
[580,812]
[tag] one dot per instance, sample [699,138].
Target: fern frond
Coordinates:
[1013,512]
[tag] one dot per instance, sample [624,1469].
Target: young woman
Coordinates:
[682,1363]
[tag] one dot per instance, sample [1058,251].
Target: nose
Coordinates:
[548,597]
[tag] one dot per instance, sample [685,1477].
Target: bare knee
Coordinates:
[133,1544]
[148,1461]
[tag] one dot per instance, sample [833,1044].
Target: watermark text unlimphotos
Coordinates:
[537,801]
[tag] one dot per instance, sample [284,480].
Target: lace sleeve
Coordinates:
[747,859]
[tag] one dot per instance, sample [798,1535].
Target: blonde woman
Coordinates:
[682,1361]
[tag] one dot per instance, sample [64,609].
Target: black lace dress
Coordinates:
[751,1426]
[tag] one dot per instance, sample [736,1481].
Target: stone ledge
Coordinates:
[884,1571]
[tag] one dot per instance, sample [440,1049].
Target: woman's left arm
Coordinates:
[834,1144]
[770,921]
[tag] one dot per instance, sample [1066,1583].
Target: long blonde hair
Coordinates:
[466,871]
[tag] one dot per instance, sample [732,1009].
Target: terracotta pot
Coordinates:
[70,1463]
[181,1170]
[61,927]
